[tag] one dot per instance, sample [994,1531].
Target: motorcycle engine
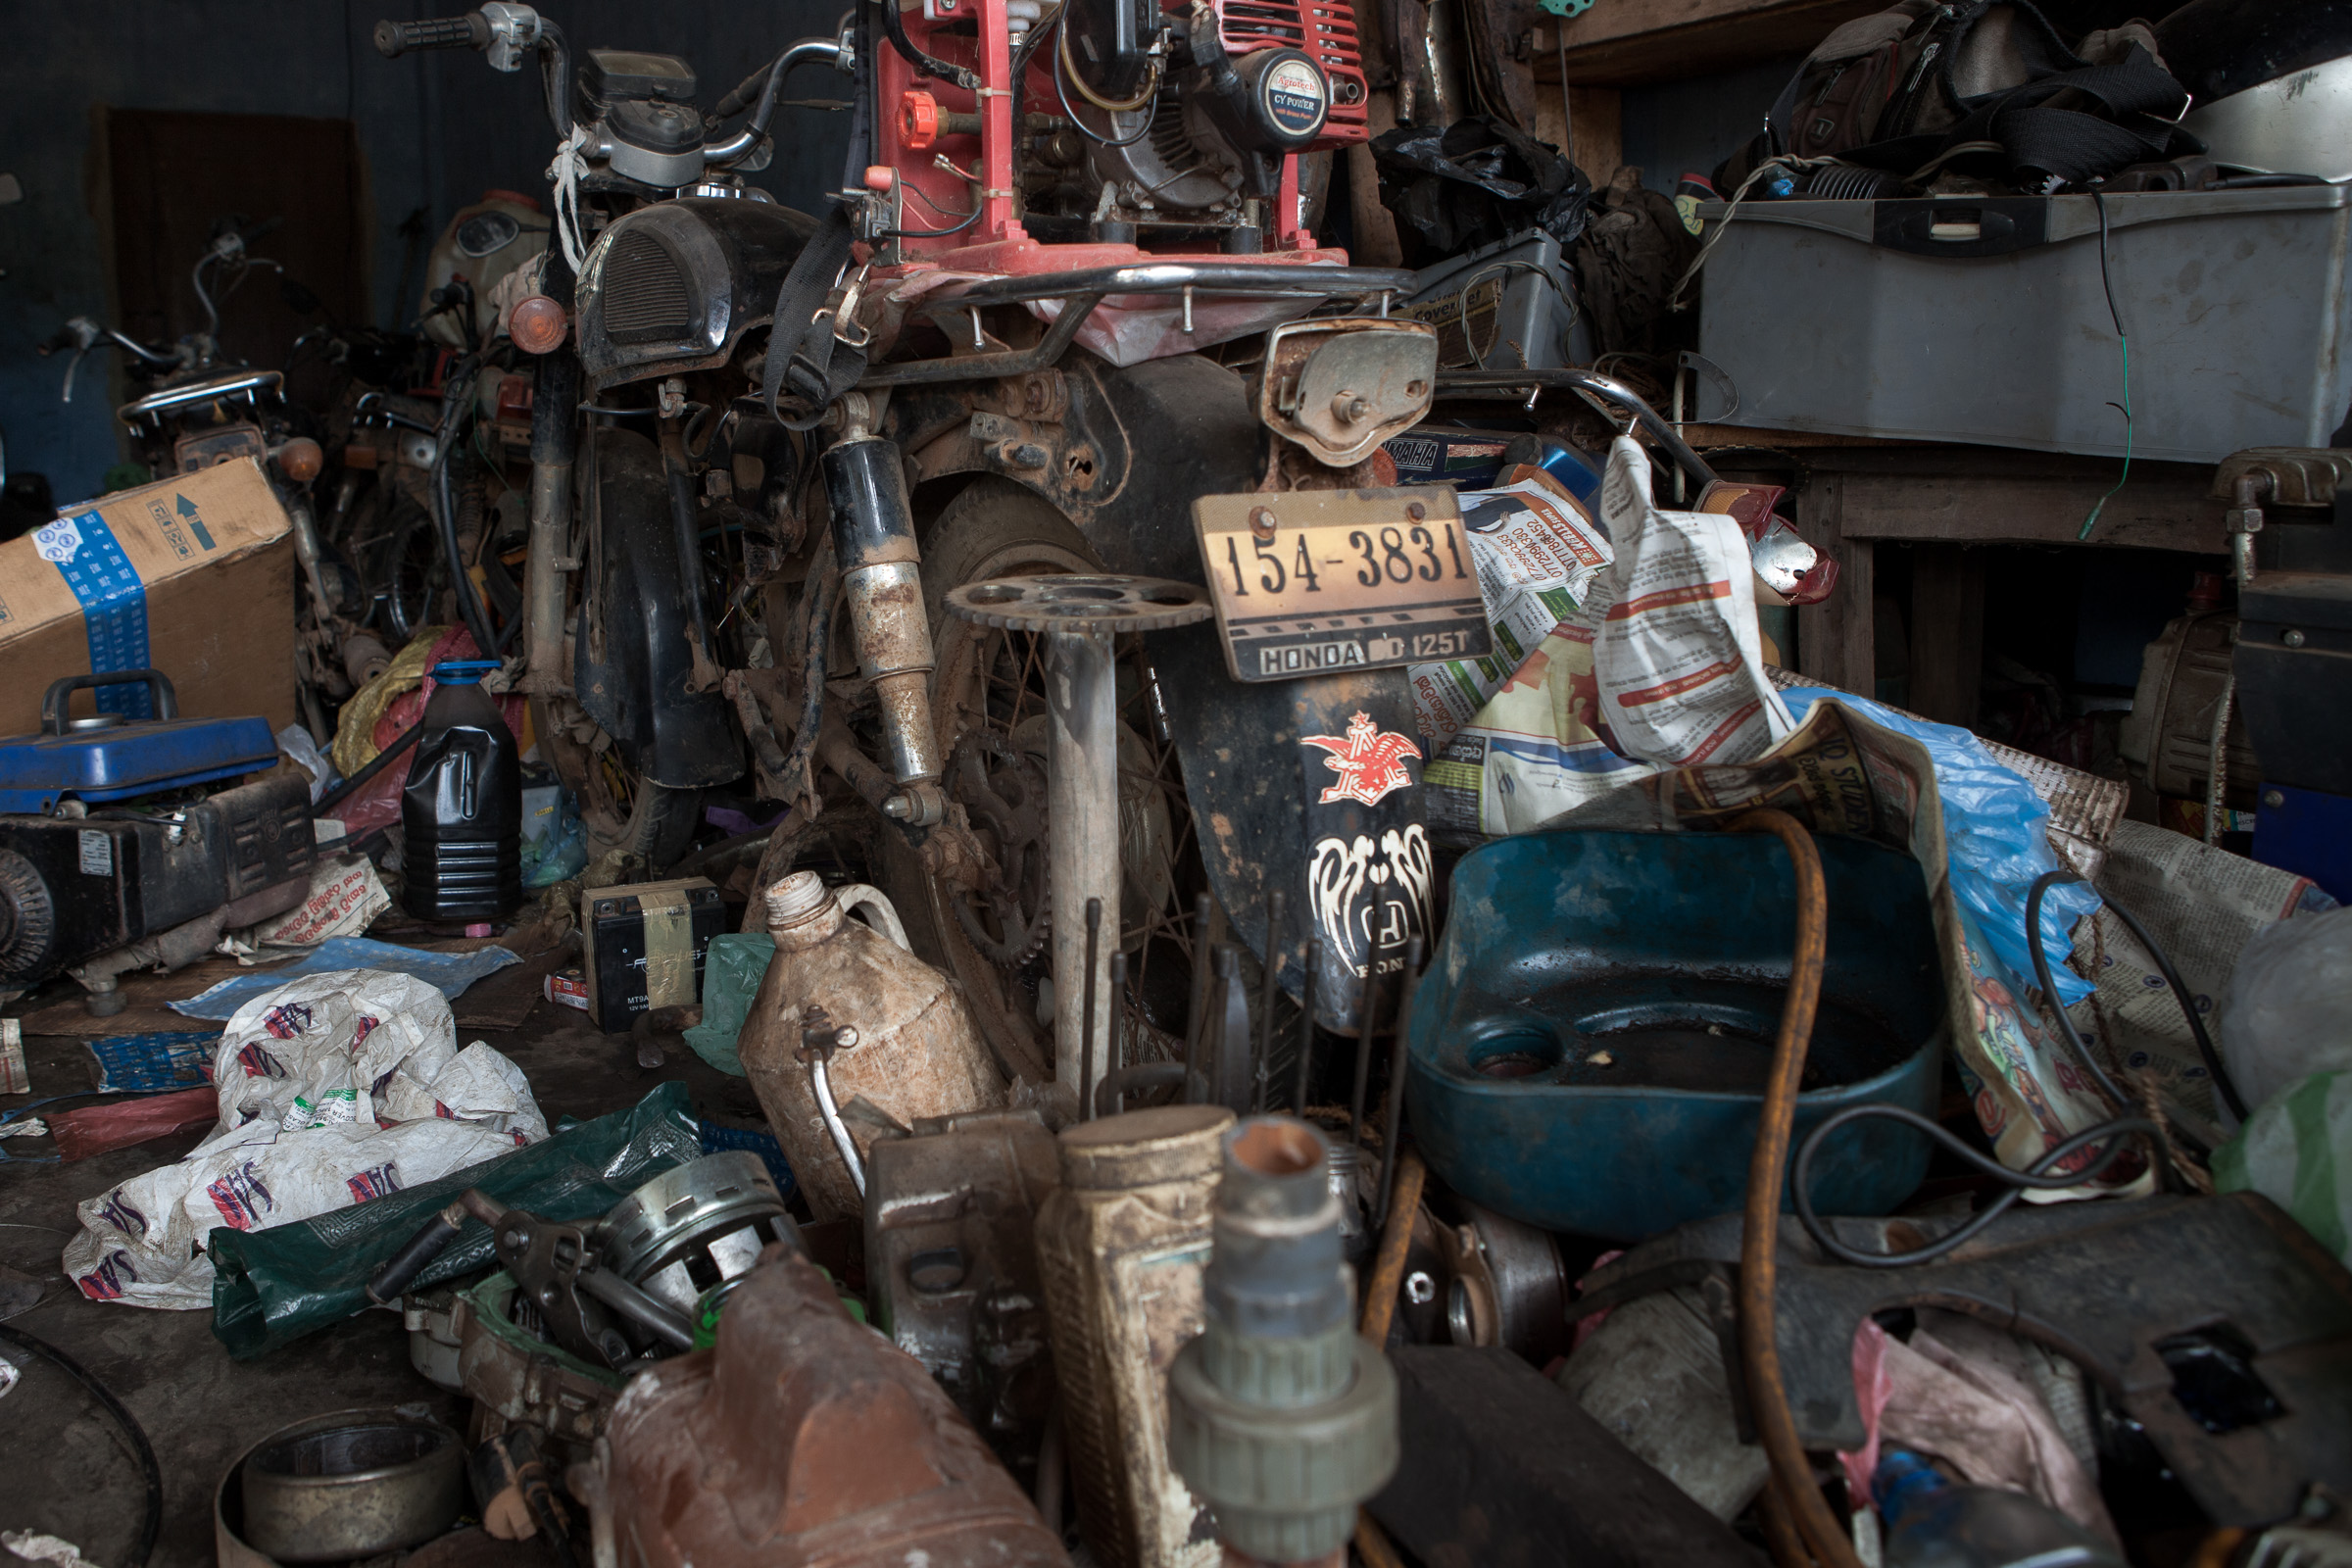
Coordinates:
[1235,88]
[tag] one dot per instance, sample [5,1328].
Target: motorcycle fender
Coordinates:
[1134,447]
[631,658]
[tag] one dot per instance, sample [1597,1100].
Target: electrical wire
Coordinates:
[2039,1177]
[1794,164]
[896,25]
[141,1450]
[933,234]
[2107,282]
[1115,106]
[1060,91]
[2206,1050]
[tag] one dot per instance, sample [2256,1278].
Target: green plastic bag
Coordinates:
[2296,1150]
[273,1286]
[732,970]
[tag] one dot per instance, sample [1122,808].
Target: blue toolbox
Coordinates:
[115,832]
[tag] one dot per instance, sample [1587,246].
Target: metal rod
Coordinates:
[1393,1130]
[1367,1015]
[1307,1023]
[1086,1049]
[637,1306]
[1196,1020]
[1268,990]
[1082,853]
[1114,1055]
[821,1081]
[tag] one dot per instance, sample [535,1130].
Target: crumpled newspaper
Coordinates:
[334,1089]
[35,1548]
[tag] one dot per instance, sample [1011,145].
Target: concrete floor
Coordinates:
[62,1468]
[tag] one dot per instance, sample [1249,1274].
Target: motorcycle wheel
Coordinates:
[988,706]
[619,809]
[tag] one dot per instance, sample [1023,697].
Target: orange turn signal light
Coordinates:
[301,459]
[537,324]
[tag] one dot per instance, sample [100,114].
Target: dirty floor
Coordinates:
[64,1470]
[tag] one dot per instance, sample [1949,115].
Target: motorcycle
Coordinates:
[1068,285]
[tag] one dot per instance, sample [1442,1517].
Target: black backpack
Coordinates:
[1984,87]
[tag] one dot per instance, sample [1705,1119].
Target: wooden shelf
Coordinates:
[1623,44]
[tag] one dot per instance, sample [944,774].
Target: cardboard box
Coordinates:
[191,576]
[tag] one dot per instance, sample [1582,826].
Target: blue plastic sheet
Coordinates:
[150,1064]
[449,973]
[1995,835]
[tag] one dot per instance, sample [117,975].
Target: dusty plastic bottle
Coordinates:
[908,1048]
[460,813]
[1931,1523]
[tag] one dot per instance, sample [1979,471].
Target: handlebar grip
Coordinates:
[400,1271]
[396,39]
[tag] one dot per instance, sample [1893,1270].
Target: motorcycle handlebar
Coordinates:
[468,31]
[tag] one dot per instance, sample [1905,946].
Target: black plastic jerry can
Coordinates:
[460,813]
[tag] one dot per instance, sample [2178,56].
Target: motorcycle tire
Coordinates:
[993,528]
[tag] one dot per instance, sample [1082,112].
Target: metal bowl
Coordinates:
[351,1485]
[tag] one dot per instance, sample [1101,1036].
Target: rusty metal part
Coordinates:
[519,1375]
[1508,1286]
[1077,613]
[768,752]
[805,1439]
[1341,387]
[350,1485]
[819,1038]
[881,576]
[2297,476]
[1003,792]
[950,1265]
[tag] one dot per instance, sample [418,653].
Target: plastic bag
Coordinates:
[1476,183]
[559,853]
[2288,1012]
[275,1286]
[732,970]
[1995,840]
[2296,1150]
[334,1090]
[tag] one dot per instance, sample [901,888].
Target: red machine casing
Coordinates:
[934,198]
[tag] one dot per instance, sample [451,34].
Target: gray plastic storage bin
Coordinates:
[1521,298]
[1982,319]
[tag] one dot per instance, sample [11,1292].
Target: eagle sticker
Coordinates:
[1369,760]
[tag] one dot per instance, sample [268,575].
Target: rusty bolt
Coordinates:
[1415,510]
[1347,408]
[1261,524]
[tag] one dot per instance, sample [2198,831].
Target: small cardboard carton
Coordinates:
[191,576]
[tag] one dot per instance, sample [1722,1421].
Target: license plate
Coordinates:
[1311,581]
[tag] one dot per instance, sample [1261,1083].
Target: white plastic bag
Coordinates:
[334,1089]
[2289,1014]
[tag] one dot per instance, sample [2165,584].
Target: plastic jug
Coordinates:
[1931,1523]
[908,1047]
[460,813]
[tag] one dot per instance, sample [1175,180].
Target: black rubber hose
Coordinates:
[457,398]
[2206,1050]
[141,1448]
[376,764]
[896,26]
[2035,1177]
[685,521]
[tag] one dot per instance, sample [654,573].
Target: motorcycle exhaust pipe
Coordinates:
[881,573]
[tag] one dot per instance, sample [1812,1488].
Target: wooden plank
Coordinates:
[1948,632]
[1624,43]
[2163,511]
[1594,133]
[1837,639]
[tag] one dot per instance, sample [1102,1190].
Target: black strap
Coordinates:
[808,364]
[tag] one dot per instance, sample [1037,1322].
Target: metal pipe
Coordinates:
[1306,1022]
[637,1306]
[1269,987]
[1499,382]
[1393,1131]
[1367,1018]
[555,439]
[1082,801]
[730,148]
[821,1081]
[1086,1054]
[882,575]
[1118,1017]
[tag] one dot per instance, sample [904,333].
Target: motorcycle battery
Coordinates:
[645,946]
[73,887]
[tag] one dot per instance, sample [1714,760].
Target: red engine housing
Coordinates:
[936,198]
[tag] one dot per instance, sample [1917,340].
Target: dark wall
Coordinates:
[435,130]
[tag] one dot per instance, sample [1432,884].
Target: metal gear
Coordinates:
[1072,601]
[1007,805]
